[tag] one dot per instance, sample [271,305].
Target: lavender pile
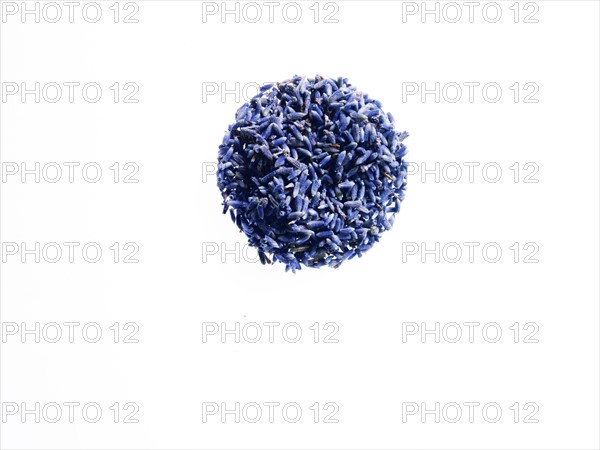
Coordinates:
[312,171]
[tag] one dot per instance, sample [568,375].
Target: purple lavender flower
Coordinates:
[312,171]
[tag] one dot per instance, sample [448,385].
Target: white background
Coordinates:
[174,215]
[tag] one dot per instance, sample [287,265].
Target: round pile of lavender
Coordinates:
[312,171]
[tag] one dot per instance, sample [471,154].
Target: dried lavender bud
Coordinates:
[312,171]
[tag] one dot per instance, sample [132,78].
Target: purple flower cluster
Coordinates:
[312,171]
